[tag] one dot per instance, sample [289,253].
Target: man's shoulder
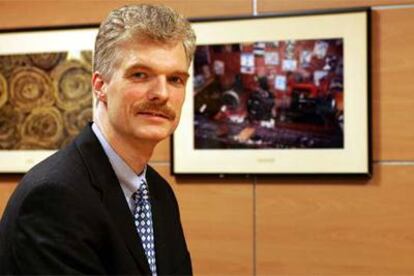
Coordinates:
[62,170]
[64,164]
[56,177]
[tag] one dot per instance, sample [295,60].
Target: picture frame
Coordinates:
[285,94]
[45,91]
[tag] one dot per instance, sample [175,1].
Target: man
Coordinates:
[96,207]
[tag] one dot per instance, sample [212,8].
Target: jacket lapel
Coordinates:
[122,217]
[104,179]
[161,241]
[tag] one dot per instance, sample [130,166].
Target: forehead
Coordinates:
[155,55]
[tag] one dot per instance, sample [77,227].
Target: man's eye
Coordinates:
[177,80]
[139,75]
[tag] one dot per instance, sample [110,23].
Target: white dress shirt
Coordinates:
[130,182]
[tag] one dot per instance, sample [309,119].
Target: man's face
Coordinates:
[145,93]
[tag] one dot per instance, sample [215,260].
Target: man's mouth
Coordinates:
[155,113]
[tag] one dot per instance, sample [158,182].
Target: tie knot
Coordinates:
[142,192]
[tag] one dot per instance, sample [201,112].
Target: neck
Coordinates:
[136,153]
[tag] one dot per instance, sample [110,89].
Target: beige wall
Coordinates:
[291,226]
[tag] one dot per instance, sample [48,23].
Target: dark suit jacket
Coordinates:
[69,216]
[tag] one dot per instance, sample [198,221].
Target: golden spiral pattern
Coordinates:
[10,119]
[72,85]
[30,88]
[47,61]
[9,62]
[3,90]
[77,119]
[42,128]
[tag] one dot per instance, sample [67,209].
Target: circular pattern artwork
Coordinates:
[30,87]
[10,120]
[45,99]
[72,81]
[3,90]
[42,128]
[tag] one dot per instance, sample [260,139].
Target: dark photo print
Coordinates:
[269,95]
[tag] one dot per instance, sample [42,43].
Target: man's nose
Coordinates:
[159,90]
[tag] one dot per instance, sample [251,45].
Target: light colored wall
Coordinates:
[291,226]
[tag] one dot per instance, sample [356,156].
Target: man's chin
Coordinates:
[152,135]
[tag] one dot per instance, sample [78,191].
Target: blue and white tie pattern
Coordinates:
[143,223]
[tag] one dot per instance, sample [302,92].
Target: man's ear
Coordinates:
[99,86]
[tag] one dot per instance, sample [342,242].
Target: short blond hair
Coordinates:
[154,22]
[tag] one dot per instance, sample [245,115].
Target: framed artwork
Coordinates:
[284,94]
[45,92]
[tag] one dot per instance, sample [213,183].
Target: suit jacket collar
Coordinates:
[161,240]
[103,178]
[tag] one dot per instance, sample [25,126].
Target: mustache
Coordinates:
[155,108]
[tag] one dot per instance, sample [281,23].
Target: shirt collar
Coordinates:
[130,182]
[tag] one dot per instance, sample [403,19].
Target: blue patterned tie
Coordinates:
[143,223]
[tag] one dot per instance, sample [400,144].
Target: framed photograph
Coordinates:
[45,92]
[282,94]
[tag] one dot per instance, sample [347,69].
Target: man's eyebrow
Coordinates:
[182,73]
[139,66]
[136,67]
